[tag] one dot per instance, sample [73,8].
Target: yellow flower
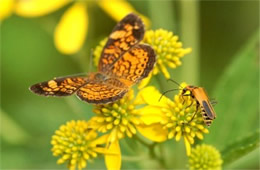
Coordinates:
[205,157]
[168,50]
[174,116]
[98,50]
[6,7]
[71,31]
[76,143]
[122,118]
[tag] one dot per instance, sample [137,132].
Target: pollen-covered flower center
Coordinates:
[184,119]
[168,48]
[119,119]
[73,142]
[205,157]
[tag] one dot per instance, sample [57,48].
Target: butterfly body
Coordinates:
[123,63]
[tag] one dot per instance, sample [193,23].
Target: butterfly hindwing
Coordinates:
[134,65]
[102,92]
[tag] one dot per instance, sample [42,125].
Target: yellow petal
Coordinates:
[187,145]
[71,31]
[113,161]
[144,97]
[150,115]
[118,9]
[35,8]
[101,140]
[6,8]
[145,81]
[154,132]
[100,150]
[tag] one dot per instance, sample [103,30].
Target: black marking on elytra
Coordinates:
[207,109]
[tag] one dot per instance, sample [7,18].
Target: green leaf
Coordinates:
[237,95]
[12,132]
[240,148]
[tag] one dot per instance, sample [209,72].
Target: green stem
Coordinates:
[162,153]
[134,158]
[164,17]
[128,146]
[75,107]
[152,153]
[160,83]
[142,141]
[154,156]
[190,38]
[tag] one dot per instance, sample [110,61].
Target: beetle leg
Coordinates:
[190,104]
[197,107]
[183,101]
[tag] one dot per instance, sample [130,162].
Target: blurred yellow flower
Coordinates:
[205,157]
[174,116]
[6,7]
[71,31]
[98,50]
[118,9]
[36,8]
[76,143]
[168,51]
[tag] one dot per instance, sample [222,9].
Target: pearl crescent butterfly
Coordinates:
[123,63]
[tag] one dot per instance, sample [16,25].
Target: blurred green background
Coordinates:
[225,60]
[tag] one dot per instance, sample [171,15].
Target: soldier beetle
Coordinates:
[199,94]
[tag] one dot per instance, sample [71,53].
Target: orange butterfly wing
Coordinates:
[64,86]
[102,91]
[127,33]
[134,65]
[123,62]
[111,85]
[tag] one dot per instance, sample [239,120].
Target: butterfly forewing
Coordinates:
[64,86]
[127,33]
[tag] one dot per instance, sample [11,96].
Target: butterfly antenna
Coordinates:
[167,92]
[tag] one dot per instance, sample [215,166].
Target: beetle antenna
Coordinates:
[175,82]
[167,92]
